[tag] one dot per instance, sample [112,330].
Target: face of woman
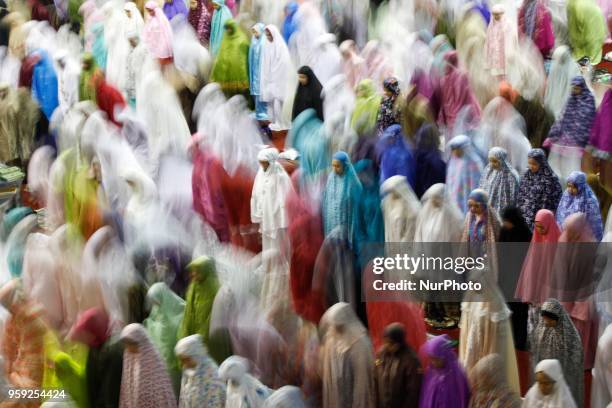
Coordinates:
[303,79]
[337,167]
[540,228]
[533,165]
[496,164]
[458,153]
[474,207]
[572,189]
[130,347]
[545,383]
[497,16]
[548,322]
[576,90]
[255,33]
[216,6]
[151,12]
[436,362]
[508,225]
[269,35]
[264,164]
[128,13]
[187,362]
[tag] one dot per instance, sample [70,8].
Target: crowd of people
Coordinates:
[207,183]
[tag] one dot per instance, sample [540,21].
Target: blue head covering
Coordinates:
[290,24]
[341,200]
[307,136]
[255,58]
[98,48]
[371,221]
[480,196]
[395,156]
[217,26]
[44,84]
[585,202]
[12,218]
[463,173]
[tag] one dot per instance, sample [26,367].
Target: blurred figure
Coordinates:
[500,180]
[201,385]
[255,58]
[217,28]
[242,387]
[444,382]
[400,208]
[103,370]
[535,22]
[501,42]
[231,66]
[397,372]
[464,170]
[144,382]
[353,65]
[489,386]
[288,396]
[587,29]
[550,387]
[558,85]
[346,347]
[601,391]
[395,155]
[367,106]
[157,33]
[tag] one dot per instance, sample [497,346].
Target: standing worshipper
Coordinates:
[290,25]
[163,323]
[157,33]
[103,369]
[482,222]
[200,19]
[23,338]
[200,385]
[401,208]
[199,300]
[550,388]
[440,219]
[44,84]
[276,67]
[308,93]
[444,383]
[231,66]
[601,391]
[563,69]
[255,51]
[535,22]
[500,180]
[570,133]
[556,337]
[243,390]
[501,43]
[270,189]
[600,141]
[587,29]
[394,155]
[9,114]
[457,97]
[134,21]
[217,30]
[347,363]
[108,98]
[388,114]
[464,170]
[353,65]
[539,187]
[71,377]
[578,197]
[397,372]
[371,224]
[89,70]
[341,198]
[144,382]
[430,166]
[490,386]
[367,105]
[67,80]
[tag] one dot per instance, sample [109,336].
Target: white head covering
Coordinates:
[559,82]
[241,385]
[269,194]
[288,396]
[561,397]
[440,220]
[400,209]
[276,67]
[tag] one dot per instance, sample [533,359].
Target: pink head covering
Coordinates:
[92,328]
[456,94]
[157,32]
[534,283]
[576,229]
[144,382]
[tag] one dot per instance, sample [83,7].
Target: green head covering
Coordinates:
[231,67]
[72,378]
[201,294]
[366,109]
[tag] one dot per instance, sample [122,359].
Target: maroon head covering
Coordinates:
[92,328]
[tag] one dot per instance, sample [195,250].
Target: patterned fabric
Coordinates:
[585,202]
[574,126]
[341,199]
[463,173]
[200,18]
[484,228]
[489,385]
[388,115]
[539,190]
[600,142]
[144,382]
[561,342]
[535,22]
[201,385]
[501,184]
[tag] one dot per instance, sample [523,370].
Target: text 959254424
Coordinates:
[35,394]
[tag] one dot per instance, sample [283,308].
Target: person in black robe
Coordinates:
[308,93]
